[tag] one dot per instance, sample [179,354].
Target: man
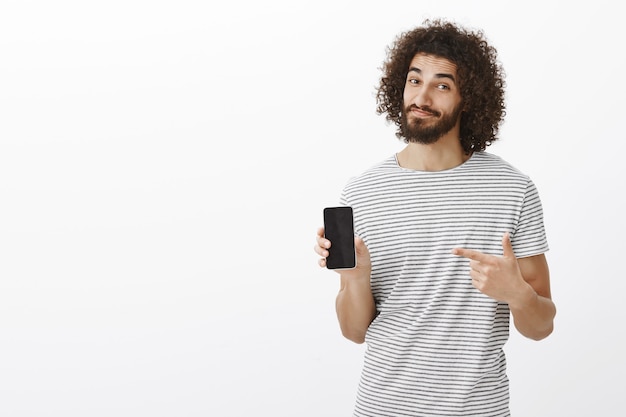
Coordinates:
[449,239]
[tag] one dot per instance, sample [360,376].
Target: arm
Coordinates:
[522,283]
[355,304]
[533,310]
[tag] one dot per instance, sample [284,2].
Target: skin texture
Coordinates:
[431,94]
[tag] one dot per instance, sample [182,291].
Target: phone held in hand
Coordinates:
[339,229]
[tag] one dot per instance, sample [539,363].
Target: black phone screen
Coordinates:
[339,229]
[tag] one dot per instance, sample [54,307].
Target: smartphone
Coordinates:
[339,229]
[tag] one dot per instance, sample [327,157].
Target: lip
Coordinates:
[421,113]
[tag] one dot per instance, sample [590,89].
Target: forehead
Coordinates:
[432,63]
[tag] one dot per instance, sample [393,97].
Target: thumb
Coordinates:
[359,245]
[507,248]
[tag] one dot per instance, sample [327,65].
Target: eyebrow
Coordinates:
[438,75]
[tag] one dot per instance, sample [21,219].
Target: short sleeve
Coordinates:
[530,238]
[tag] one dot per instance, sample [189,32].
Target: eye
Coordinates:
[443,87]
[412,81]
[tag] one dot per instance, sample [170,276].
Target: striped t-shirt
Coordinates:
[435,347]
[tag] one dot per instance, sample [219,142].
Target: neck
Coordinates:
[442,155]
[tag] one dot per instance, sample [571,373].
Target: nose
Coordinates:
[420,97]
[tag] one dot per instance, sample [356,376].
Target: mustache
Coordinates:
[426,109]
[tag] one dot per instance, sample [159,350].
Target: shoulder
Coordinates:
[381,169]
[487,159]
[494,165]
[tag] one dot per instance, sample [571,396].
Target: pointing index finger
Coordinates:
[469,254]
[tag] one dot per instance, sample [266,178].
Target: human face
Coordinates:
[432,100]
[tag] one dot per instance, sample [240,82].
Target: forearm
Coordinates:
[533,315]
[355,307]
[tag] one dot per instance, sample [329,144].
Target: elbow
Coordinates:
[540,335]
[539,326]
[549,328]
[356,339]
[539,332]
[353,335]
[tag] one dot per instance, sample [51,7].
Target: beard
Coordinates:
[426,131]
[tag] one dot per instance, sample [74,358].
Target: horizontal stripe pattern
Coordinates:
[436,345]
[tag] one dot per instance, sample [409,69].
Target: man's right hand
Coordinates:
[363,263]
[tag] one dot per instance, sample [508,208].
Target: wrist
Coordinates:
[355,279]
[523,297]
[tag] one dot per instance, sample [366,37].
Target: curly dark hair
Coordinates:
[481,78]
